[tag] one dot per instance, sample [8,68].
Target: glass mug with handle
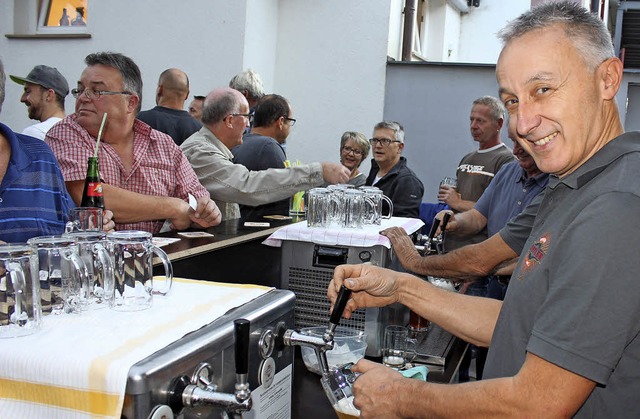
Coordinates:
[335,218]
[319,202]
[398,348]
[337,385]
[20,310]
[92,250]
[62,274]
[133,287]
[377,197]
[358,209]
[84,219]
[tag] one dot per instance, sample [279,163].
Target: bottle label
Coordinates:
[94,189]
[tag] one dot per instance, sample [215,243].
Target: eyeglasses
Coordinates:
[249,116]
[348,150]
[292,121]
[383,141]
[94,94]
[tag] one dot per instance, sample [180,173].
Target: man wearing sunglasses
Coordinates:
[389,170]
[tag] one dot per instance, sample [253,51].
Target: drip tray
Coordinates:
[434,346]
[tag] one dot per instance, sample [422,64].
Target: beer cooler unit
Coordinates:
[307,268]
[156,386]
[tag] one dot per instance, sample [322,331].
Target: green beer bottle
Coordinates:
[92,193]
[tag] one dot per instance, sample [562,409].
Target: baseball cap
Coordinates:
[47,77]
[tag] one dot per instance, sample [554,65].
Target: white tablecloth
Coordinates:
[76,366]
[367,236]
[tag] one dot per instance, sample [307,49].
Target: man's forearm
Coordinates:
[132,207]
[499,397]
[467,263]
[469,318]
[463,205]
[469,222]
[128,206]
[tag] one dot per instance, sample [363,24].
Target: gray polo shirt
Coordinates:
[574,299]
[516,232]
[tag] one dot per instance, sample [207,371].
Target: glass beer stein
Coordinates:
[20,310]
[132,253]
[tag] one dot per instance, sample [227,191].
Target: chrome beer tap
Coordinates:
[200,389]
[322,344]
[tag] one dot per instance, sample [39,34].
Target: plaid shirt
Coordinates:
[159,167]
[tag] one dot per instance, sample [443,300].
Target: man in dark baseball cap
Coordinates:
[44,92]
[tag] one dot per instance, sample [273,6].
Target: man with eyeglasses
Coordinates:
[263,148]
[389,170]
[146,177]
[225,116]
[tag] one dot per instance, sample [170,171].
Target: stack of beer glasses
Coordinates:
[344,206]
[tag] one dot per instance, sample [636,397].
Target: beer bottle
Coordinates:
[92,193]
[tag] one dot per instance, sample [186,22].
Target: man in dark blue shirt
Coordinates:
[169,116]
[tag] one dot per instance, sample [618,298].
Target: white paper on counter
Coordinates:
[367,236]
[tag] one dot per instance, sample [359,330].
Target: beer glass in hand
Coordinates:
[451,182]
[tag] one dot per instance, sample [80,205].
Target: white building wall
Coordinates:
[331,65]
[205,38]
[396,23]
[327,57]
[261,41]
[478,40]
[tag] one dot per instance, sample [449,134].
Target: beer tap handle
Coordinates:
[341,303]
[243,392]
[241,327]
[445,220]
[432,233]
[338,309]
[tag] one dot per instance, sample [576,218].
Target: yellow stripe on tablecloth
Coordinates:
[217,284]
[99,367]
[69,398]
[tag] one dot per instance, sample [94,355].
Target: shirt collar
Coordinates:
[540,179]
[612,151]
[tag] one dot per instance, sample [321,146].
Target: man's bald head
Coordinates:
[220,103]
[173,88]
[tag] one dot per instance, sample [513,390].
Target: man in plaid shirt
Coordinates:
[146,177]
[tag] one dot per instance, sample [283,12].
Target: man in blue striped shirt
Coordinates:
[33,197]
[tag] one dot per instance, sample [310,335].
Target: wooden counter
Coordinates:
[234,254]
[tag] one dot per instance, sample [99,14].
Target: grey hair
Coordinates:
[129,70]
[584,29]
[219,105]
[250,81]
[496,108]
[361,142]
[394,126]
[2,82]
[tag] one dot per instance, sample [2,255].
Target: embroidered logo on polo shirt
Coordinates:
[534,256]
